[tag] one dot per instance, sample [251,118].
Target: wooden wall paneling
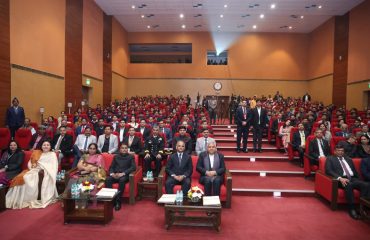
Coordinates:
[5,72]
[340,73]
[107,60]
[73,53]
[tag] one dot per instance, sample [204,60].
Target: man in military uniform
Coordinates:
[182,137]
[212,105]
[232,109]
[153,151]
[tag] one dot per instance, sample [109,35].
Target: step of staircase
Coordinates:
[251,156]
[263,168]
[226,150]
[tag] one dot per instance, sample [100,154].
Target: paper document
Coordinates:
[211,201]
[167,198]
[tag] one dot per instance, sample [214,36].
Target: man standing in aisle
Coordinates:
[14,117]
[259,122]
[243,117]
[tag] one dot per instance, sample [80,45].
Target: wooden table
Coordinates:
[365,208]
[61,185]
[148,189]
[96,210]
[191,214]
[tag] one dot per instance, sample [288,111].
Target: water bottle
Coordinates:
[73,190]
[177,201]
[62,174]
[181,197]
[58,177]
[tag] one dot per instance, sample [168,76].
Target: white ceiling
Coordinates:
[239,16]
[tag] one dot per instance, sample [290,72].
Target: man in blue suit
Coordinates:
[167,132]
[14,117]
[243,117]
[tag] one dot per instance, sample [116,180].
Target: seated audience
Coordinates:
[284,133]
[349,146]
[133,122]
[363,148]
[122,131]
[10,163]
[299,142]
[145,132]
[344,132]
[27,125]
[99,129]
[166,131]
[81,144]
[275,124]
[179,169]
[115,123]
[326,134]
[182,137]
[108,142]
[211,166]
[133,142]
[91,166]
[38,138]
[341,167]
[23,191]
[364,131]
[202,142]
[122,165]
[318,147]
[62,144]
[153,151]
[81,128]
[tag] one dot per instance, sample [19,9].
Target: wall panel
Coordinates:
[5,77]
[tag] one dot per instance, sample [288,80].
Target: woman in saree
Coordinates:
[24,188]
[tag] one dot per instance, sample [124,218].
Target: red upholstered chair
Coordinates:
[291,152]
[131,190]
[34,125]
[4,138]
[328,188]
[270,135]
[23,137]
[334,141]
[226,187]
[308,168]
[279,141]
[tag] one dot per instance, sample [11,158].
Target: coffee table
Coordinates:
[192,214]
[87,207]
[365,208]
[148,189]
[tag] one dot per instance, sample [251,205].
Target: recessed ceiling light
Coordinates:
[181,15]
[142,16]
[148,26]
[133,7]
[290,27]
[225,6]
[221,16]
[319,6]
[272,6]
[262,16]
[302,17]
[254,26]
[183,26]
[219,26]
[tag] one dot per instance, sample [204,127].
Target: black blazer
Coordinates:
[66,145]
[146,132]
[313,149]
[365,169]
[262,119]
[125,131]
[33,140]
[15,119]
[202,169]
[334,169]
[14,165]
[123,163]
[275,125]
[188,143]
[186,167]
[239,116]
[296,141]
[136,145]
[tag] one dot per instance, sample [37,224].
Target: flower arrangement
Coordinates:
[195,194]
[87,186]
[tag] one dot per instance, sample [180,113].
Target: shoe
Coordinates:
[259,150]
[353,214]
[117,206]
[245,151]
[238,150]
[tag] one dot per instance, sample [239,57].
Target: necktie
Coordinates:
[58,143]
[205,143]
[180,158]
[85,144]
[345,168]
[130,141]
[245,116]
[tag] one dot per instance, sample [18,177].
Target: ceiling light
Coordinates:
[221,16]
[181,15]
[290,27]
[219,26]
[319,6]
[183,26]
[272,6]
[302,17]
[142,16]
[148,26]
[262,16]
[225,6]
[254,26]
[133,7]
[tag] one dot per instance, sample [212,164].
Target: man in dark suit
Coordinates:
[342,168]
[259,122]
[306,98]
[344,132]
[14,117]
[275,124]
[143,129]
[38,138]
[119,171]
[242,119]
[299,142]
[182,137]
[153,151]
[99,129]
[166,131]
[133,142]
[318,147]
[349,146]
[80,129]
[179,169]
[211,166]
[122,131]
[62,143]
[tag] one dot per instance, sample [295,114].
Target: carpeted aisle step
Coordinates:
[244,168]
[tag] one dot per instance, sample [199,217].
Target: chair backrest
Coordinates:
[34,125]
[4,138]
[27,157]
[334,141]
[195,175]
[23,137]
[308,140]
[292,131]
[108,158]
[356,162]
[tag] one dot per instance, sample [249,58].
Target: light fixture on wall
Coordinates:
[69,105]
[82,105]
[42,110]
